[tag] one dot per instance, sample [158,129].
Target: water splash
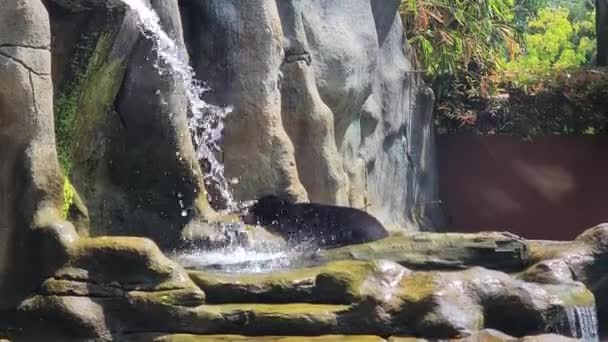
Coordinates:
[580,323]
[264,257]
[205,121]
[237,260]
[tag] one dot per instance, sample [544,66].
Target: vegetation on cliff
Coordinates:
[523,67]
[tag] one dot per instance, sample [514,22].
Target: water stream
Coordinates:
[205,120]
[580,323]
[206,125]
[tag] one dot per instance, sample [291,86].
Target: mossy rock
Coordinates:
[238,338]
[500,251]
[340,282]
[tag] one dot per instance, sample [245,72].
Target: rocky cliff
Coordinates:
[327,108]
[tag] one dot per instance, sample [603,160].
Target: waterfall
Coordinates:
[583,323]
[580,323]
[205,121]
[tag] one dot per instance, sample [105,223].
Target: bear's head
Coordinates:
[267,211]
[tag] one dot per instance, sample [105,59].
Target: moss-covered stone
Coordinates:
[552,271]
[90,81]
[501,251]
[135,262]
[341,282]
[585,257]
[237,338]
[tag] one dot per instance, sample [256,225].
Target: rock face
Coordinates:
[483,336]
[328,121]
[159,178]
[121,125]
[128,151]
[30,180]
[327,104]
[333,114]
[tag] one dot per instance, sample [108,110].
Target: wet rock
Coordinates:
[238,47]
[123,122]
[499,251]
[587,259]
[547,338]
[555,271]
[483,336]
[349,297]
[487,335]
[398,301]
[236,338]
[337,283]
[153,184]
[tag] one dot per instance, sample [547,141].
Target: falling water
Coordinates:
[205,121]
[206,125]
[580,323]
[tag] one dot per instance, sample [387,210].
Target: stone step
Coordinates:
[481,336]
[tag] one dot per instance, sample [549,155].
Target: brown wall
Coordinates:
[548,188]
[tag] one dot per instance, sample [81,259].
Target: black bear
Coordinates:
[322,225]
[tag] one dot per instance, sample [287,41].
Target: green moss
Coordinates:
[578,297]
[66,104]
[68,197]
[419,286]
[294,310]
[89,90]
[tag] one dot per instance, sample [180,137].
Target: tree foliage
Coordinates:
[473,41]
[450,35]
[553,41]
[485,57]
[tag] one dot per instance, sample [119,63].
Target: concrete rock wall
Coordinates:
[30,179]
[328,106]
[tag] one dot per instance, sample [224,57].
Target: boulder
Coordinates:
[487,335]
[399,301]
[110,287]
[586,257]
[101,277]
[236,338]
[500,251]
[341,282]
[553,271]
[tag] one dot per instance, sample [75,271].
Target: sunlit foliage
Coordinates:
[553,42]
[449,35]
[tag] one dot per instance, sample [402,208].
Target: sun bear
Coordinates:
[326,226]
